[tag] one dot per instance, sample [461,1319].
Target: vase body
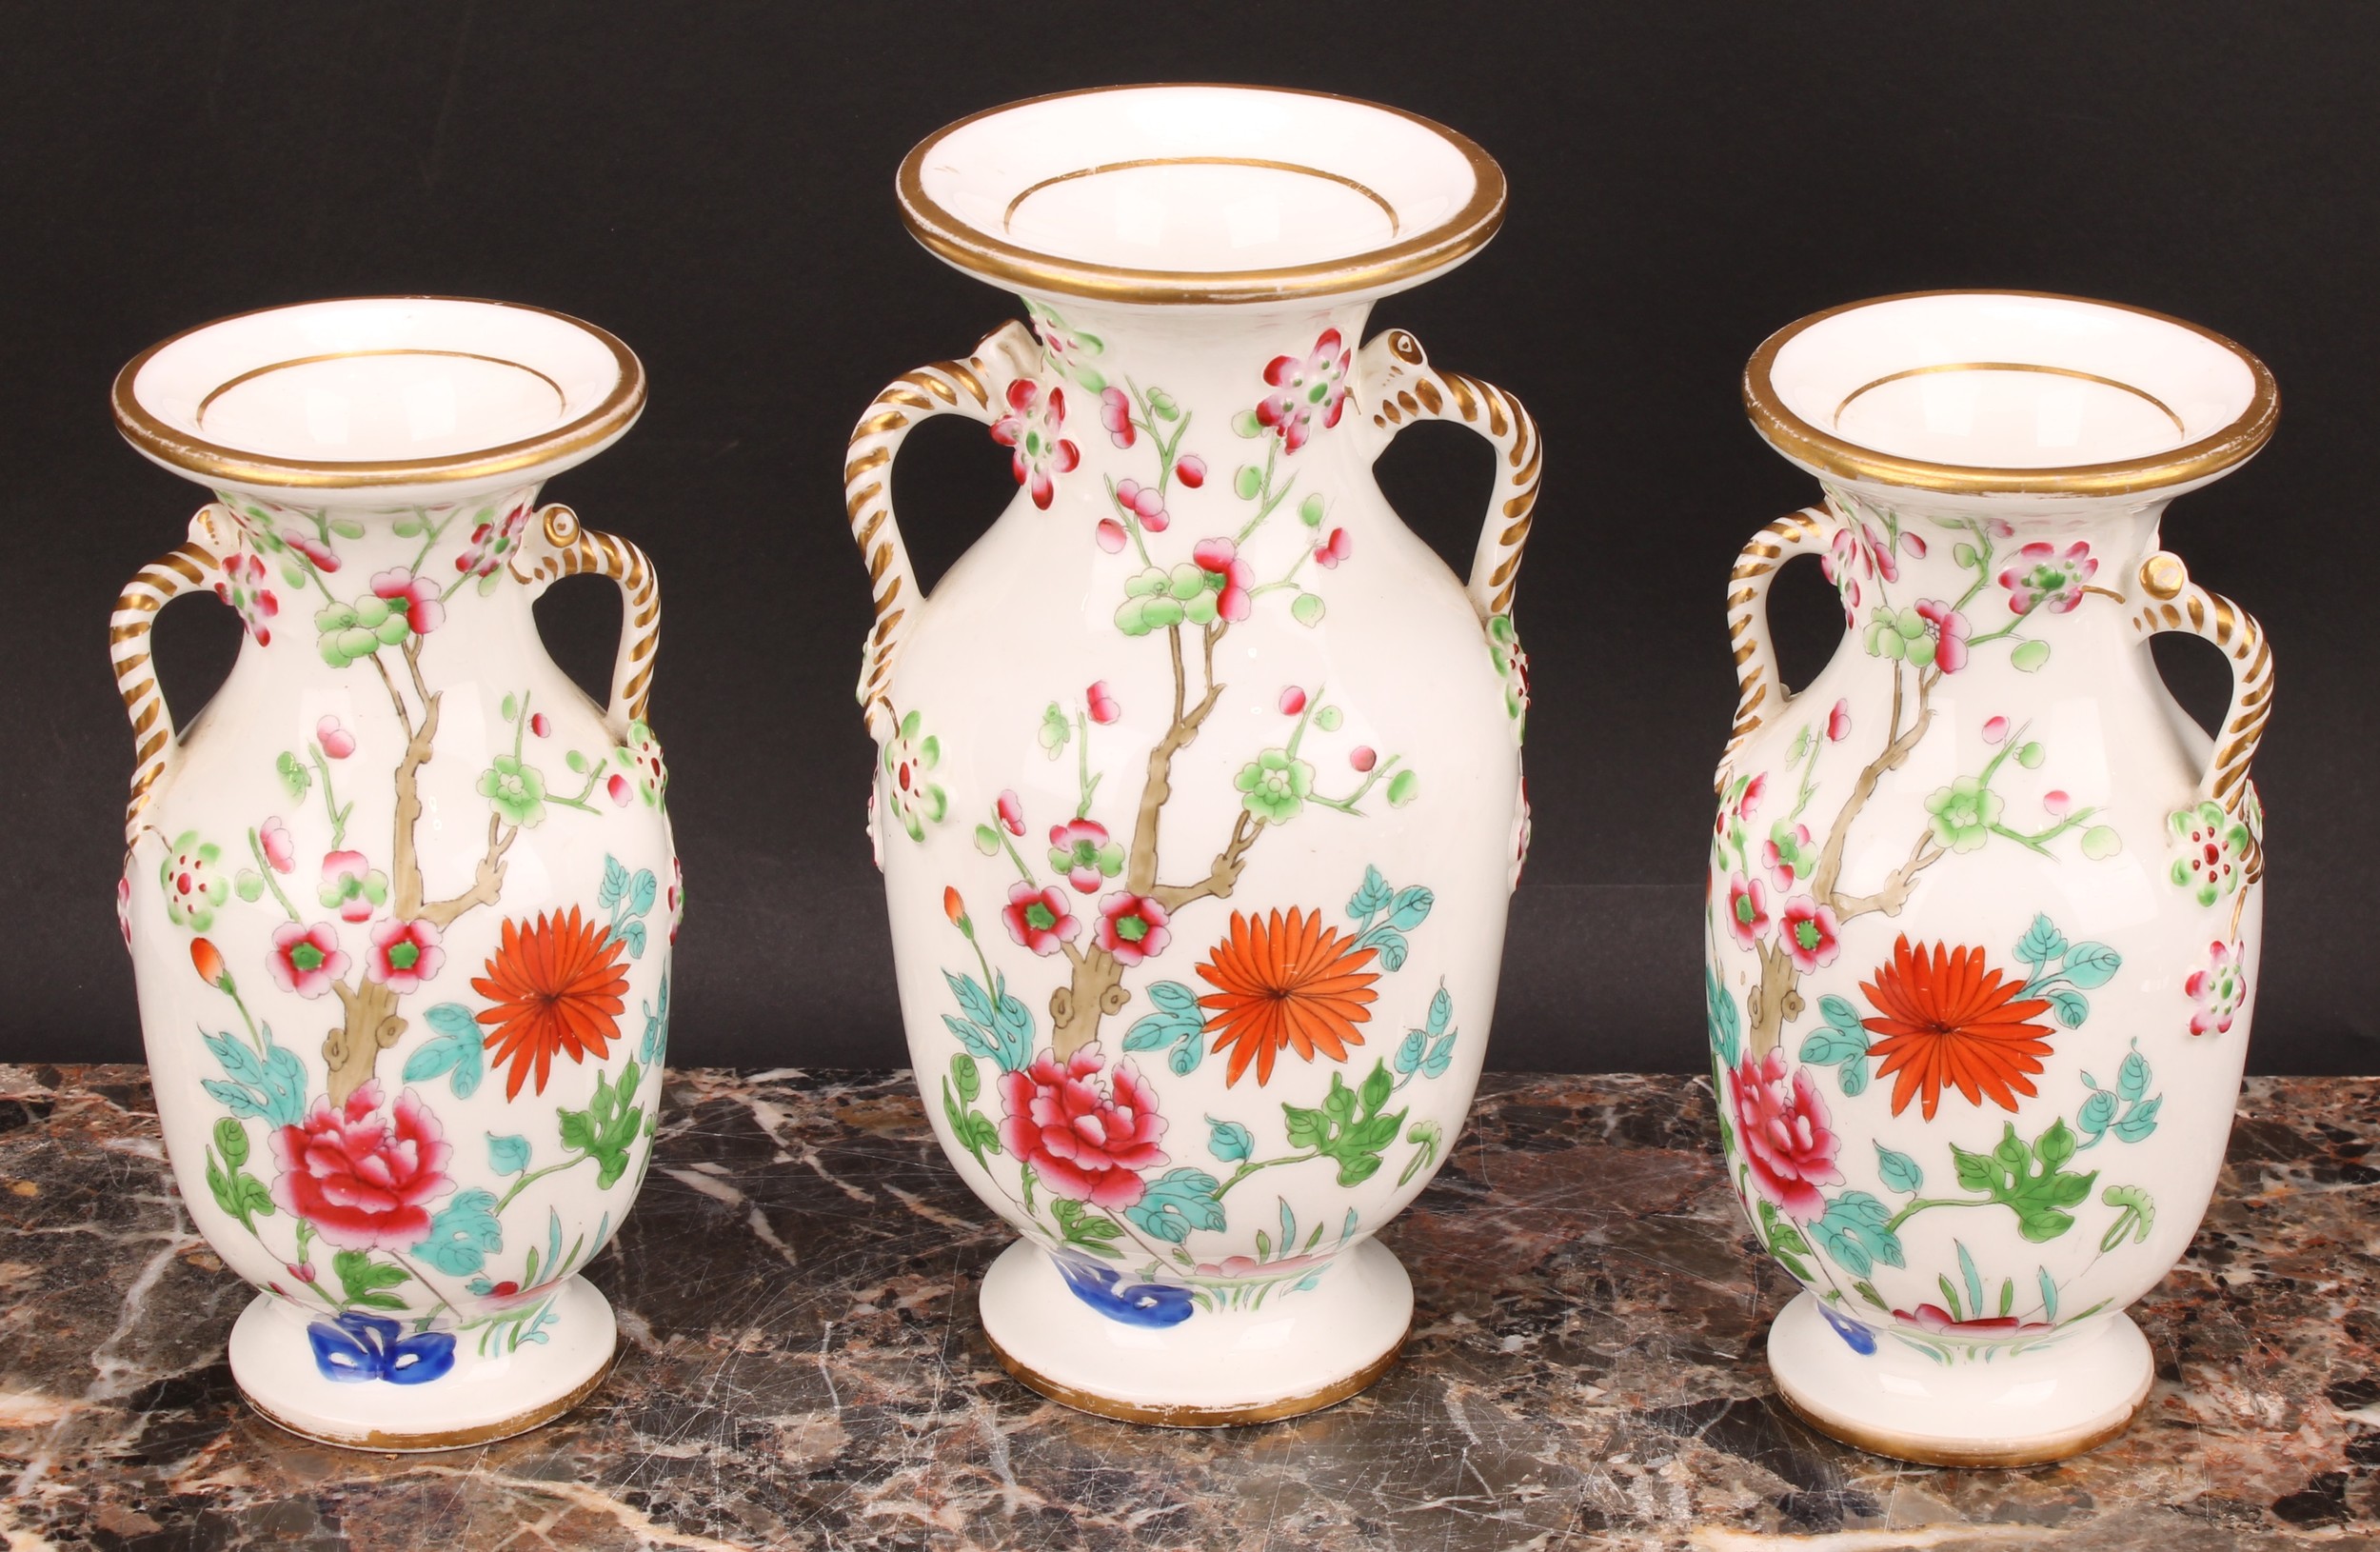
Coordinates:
[401,903]
[1984,922]
[1199,807]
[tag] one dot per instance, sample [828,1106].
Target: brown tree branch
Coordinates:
[1224,877]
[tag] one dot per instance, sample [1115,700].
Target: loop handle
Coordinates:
[559,546]
[190,568]
[978,389]
[1401,386]
[1760,691]
[2169,601]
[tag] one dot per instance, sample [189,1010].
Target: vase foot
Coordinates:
[1218,1368]
[2053,1400]
[274,1359]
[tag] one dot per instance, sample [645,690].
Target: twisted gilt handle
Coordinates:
[1760,691]
[976,388]
[1401,386]
[562,546]
[2170,602]
[191,567]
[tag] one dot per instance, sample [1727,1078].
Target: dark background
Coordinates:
[714,184]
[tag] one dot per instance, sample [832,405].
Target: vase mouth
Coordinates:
[379,391]
[1245,193]
[1983,392]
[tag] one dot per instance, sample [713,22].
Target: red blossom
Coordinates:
[1086,1143]
[1041,920]
[1786,1140]
[360,1179]
[1132,928]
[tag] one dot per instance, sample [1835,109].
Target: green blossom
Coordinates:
[516,790]
[350,632]
[2214,850]
[1276,784]
[1157,599]
[1054,730]
[194,886]
[915,802]
[1964,813]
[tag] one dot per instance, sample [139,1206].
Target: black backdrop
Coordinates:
[714,184]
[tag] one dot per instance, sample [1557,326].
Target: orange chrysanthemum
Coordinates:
[556,986]
[1285,982]
[1949,1021]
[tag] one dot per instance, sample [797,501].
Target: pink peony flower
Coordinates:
[402,955]
[307,959]
[1086,1143]
[1191,471]
[1041,920]
[336,741]
[1101,702]
[1747,909]
[359,1179]
[1011,812]
[279,846]
[1807,931]
[1785,1136]
[1132,928]
[424,610]
[1221,558]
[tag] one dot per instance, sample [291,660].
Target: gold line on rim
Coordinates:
[212,460]
[2210,455]
[994,258]
[2007,366]
[1008,217]
[254,373]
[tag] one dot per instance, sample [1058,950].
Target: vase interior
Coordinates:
[352,391]
[1221,183]
[2010,381]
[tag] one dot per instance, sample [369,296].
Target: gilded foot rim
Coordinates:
[2047,1402]
[1212,1368]
[453,1439]
[480,1398]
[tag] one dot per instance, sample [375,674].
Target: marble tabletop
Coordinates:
[801,1366]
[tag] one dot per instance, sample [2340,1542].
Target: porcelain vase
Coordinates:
[400,899]
[1985,905]
[1198,801]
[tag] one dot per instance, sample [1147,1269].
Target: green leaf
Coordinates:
[1898,1171]
[219,1186]
[463,1234]
[1229,1141]
[2049,1297]
[2136,1216]
[1867,1290]
[1425,1136]
[2131,1079]
[1371,898]
[987,840]
[2030,656]
[2041,943]
[2097,1112]
[1442,1010]
[361,1280]
[1180,1201]
[1247,481]
[2140,1119]
[1968,1274]
[2072,1008]
[964,1073]
[1841,1015]
[509,710]
[231,1142]
[1784,1241]
[1403,788]
[1826,1046]
[1307,609]
[615,881]
[1375,1090]
[507,1155]
[255,1197]
[2091,966]
[1087,1230]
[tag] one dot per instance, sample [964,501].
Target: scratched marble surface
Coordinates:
[801,1366]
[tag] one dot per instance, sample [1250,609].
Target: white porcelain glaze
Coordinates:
[1985,905]
[1199,801]
[400,898]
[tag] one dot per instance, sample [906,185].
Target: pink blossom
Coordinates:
[1143,501]
[1083,850]
[1785,1136]
[307,959]
[1132,928]
[1111,536]
[349,882]
[1747,909]
[404,954]
[1950,646]
[325,558]
[618,789]
[1333,549]
[1041,920]
[336,741]
[2219,990]
[1191,471]
[1808,930]
[1838,722]
[279,846]
[1103,703]
[1030,431]
[1011,812]
[1116,415]
[1995,729]
[1221,558]
[1316,386]
[1363,757]
[424,610]
[1293,701]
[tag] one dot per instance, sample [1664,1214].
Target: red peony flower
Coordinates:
[1221,558]
[424,610]
[1808,933]
[1786,1140]
[359,1179]
[404,954]
[1132,928]
[1041,920]
[1747,909]
[307,959]
[1085,1144]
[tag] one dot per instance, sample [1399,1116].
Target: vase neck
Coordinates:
[335,582]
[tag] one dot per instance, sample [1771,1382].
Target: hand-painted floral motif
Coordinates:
[2046,576]
[1948,1020]
[195,888]
[1807,931]
[354,1347]
[1786,1138]
[1080,848]
[1512,666]
[307,959]
[2214,851]
[241,585]
[1085,1140]
[1747,909]
[1285,983]
[2218,989]
[639,755]
[1315,388]
[556,986]
[404,954]
[908,761]
[351,886]
[1041,919]
[1030,430]
[361,1178]
[1132,928]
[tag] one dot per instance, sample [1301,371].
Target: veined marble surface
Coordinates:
[801,1366]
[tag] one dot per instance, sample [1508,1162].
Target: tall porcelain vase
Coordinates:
[400,899]
[1985,905]
[1199,803]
